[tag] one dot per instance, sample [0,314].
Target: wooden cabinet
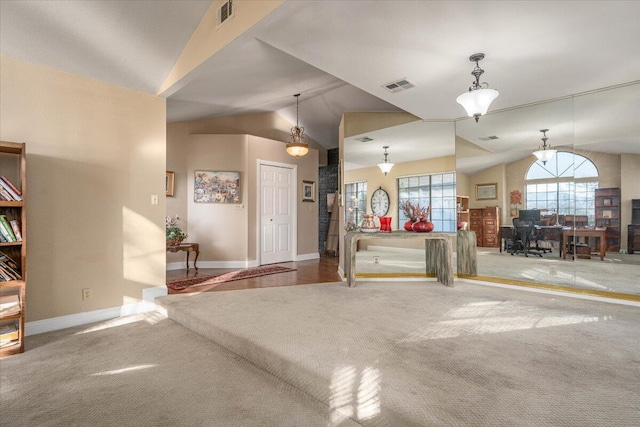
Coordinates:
[607,202]
[633,238]
[635,211]
[13,254]
[486,223]
[462,207]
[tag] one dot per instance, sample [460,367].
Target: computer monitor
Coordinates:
[532,215]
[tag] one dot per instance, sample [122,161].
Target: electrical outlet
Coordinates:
[376,260]
[154,199]
[86,294]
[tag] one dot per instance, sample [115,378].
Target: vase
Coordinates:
[409,225]
[385,224]
[422,226]
[368,224]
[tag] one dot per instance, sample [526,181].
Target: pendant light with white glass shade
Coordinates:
[386,165]
[545,152]
[477,100]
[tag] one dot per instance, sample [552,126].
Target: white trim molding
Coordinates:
[307,257]
[62,322]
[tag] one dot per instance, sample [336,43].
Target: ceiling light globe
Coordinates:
[297,149]
[545,155]
[385,167]
[477,102]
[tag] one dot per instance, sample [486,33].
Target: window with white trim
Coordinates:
[355,202]
[565,185]
[437,190]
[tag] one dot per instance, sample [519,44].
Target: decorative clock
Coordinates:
[380,202]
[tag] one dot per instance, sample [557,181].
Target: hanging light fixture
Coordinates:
[545,152]
[386,165]
[297,143]
[477,100]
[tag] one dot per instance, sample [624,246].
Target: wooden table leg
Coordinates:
[188,259]
[196,259]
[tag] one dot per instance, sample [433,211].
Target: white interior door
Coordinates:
[276,214]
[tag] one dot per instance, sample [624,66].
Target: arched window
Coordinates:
[565,185]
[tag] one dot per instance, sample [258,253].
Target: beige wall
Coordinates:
[95,155]
[228,232]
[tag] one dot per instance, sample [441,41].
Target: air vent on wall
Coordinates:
[364,139]
[399,85]
[488,138]
[224,13]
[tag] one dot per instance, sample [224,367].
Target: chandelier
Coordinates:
[477,100]
[386,165]
[297,142]
[545,152]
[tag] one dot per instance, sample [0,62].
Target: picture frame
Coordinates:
[487,191]
[169,183]
[308,191]
[216,187]
[606,202]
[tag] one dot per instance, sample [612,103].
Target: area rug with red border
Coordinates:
[180,284]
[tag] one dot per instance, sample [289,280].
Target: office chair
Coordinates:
[523,236]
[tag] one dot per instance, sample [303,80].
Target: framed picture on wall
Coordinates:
[216,187]
[168,183]
[308,191]
[487,191]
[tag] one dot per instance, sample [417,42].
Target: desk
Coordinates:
[438,252]
[570,233]
[187,247]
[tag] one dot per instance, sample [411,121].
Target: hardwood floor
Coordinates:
[323,270]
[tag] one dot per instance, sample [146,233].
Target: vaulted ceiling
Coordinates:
[339,54]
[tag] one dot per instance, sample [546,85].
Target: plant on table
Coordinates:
[175,234]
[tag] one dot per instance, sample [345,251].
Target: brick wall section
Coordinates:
[328,183]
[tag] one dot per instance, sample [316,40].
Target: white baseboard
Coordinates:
[307,257]
[62,322]
[341,273]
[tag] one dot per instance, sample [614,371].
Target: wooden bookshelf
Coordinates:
[607,202]
[462,206]
[13,165]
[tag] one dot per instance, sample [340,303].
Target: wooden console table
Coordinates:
[438,252]
[188,248]
[571,233]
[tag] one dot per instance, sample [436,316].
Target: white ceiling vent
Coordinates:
[399,85]
[224,13]
[364,139]
[488,138]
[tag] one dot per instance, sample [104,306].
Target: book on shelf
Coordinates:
[6,229]
[7,343]
[10,188]
[10,184]
[9,270]
[15,225]
[9,332]
[4,195]
[9,305]
[2,238]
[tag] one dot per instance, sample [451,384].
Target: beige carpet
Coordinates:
[405,354]
[143,370]
[380,354]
